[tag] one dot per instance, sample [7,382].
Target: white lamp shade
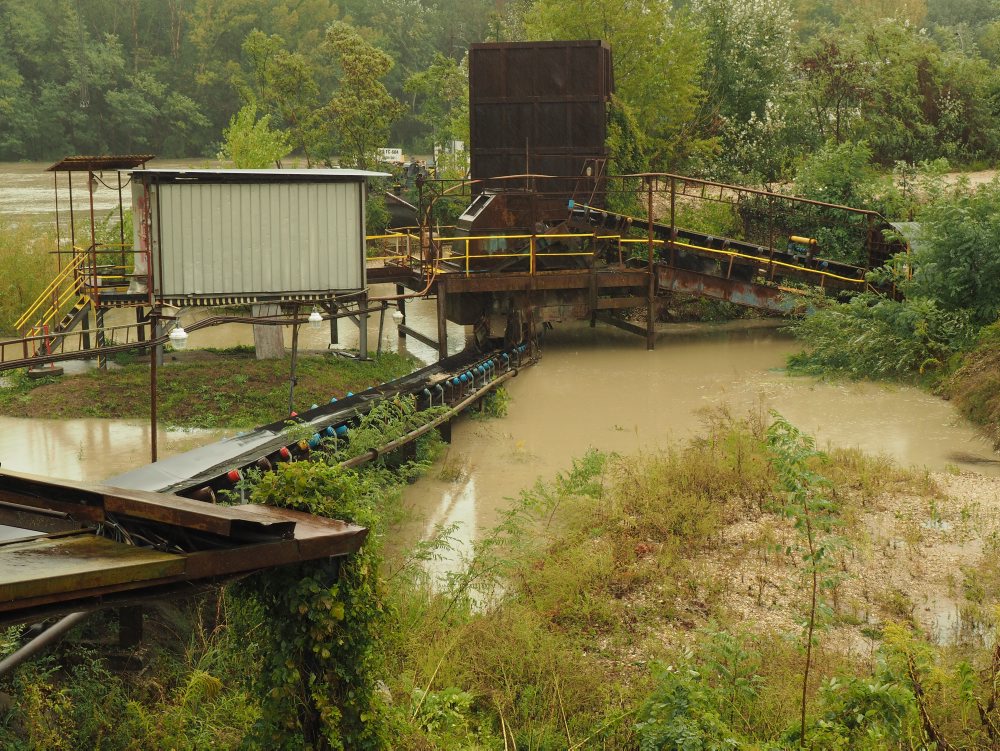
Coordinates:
[178,337]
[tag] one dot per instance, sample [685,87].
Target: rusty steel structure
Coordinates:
[540,108]
[73,546]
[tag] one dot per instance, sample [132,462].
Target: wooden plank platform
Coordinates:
[162,544]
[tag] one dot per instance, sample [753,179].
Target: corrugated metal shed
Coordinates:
[252,234]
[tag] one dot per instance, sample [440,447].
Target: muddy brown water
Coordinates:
[600,388]
[593,388]
[27,190]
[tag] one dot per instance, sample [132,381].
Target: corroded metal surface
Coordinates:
[92,163]
[760,296]
[132,545]
[540,107]
[52,566]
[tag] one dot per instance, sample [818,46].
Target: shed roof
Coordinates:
[256,175]
[106,162]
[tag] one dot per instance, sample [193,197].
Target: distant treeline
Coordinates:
[726,88]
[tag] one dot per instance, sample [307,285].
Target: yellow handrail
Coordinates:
[66,295]
[758,259]
[530,251]
[47,293]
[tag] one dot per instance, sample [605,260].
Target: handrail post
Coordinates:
[870,241]
[673,213]
[93,234]
[466,257]
[531,254]
[651,289]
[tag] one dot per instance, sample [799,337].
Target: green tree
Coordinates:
[658,57]
[834,77]
[361,110]
[283,83]
[251,143]
[748,54]
[627,156]
[145,115]
[441,99]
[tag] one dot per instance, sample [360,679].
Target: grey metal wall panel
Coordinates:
[250,238]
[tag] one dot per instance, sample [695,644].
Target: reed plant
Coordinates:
[26,266]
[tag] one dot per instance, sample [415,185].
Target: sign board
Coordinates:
[392,156]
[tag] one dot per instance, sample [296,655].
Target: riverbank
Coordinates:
[645,599]
[975,384]
[200,389]
[632,601]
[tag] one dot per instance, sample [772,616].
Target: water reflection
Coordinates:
[87,449]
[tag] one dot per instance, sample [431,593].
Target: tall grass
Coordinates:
[26,266]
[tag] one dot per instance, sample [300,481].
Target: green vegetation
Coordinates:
[28,267]
[201,389]
[942,333]
[494,404]
[727,593]
[250,143]
[881,338]
[741,92]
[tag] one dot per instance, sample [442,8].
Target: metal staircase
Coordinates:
[60,307]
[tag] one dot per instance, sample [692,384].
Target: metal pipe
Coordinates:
[34,510]
[55,185]
[72,222]
[91,186]
[154,342]
[49,636]
[154,318]
[651,289]
[291,375]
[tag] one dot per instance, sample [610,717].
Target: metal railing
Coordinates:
[464,258]
[67,283]
[40,342]
[530,252]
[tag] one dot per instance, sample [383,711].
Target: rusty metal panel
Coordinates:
[749,294]
[49,567]
[538,107]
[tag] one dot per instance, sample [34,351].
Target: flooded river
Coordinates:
[27,190]
[600,388]
[593,388]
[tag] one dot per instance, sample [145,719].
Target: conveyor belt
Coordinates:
[737,259]
[202,471]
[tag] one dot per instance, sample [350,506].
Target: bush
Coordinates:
[881,338]
[28,267]
[958,261]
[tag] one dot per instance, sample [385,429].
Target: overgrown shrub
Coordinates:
[881,338]
[28,264]
[957,262]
